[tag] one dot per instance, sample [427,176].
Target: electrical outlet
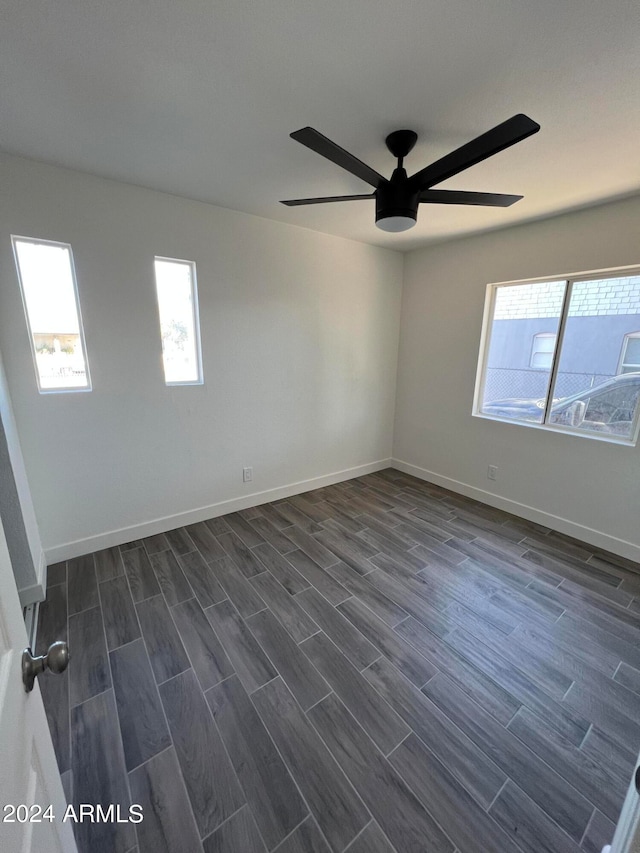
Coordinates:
[492,472]
[247,475]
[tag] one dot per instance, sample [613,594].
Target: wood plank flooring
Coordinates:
[375,666]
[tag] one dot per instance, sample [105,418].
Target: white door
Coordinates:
[627,837]
[28,769]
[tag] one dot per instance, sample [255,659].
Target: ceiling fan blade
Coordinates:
[294,202]
[326,148]
[513,130]
[461,197]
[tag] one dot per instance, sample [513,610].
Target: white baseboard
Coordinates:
[563,525]
[161,525]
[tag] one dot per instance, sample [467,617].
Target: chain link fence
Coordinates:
[504,382]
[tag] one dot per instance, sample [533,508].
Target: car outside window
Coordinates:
[609,411]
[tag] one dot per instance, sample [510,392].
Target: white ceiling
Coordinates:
[198,97]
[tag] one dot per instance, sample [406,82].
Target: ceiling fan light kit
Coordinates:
[398,198]
[395,223]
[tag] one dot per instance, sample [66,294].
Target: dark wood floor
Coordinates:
[380,665]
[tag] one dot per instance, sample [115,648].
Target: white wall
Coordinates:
[299,338]
[583,487]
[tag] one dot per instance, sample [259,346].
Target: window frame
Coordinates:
[73,389]
[485,339]
[625,341]
[195,308]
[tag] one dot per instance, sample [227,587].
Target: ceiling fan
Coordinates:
[398,197]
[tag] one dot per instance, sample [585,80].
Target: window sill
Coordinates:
[71,390]
[561,430]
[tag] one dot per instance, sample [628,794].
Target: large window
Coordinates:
[581,374]
[49,293]
[179,324]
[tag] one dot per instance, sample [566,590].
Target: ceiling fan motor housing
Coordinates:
[395,198]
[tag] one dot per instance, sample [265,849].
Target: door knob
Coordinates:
[56,659]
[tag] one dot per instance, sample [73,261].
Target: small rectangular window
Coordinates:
[49,293]
[573,377]
[542,351]
[630,360]
[179,323]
